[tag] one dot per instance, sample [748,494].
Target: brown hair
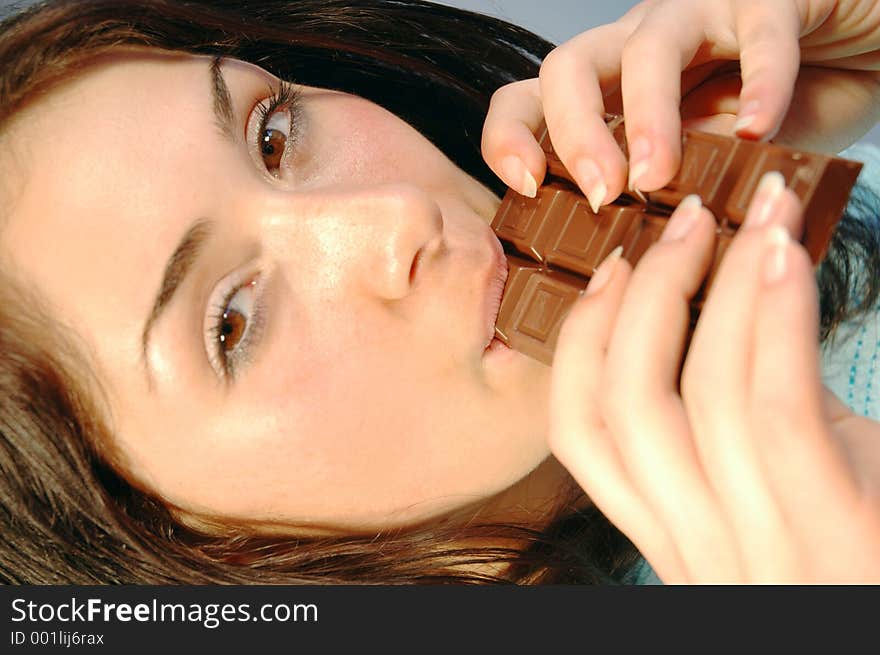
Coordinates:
[68,516]
[66,513]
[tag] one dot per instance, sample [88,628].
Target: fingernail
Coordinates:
[603,272]
[517,176]
[589,177]
[639,160]
[683,219]
[765,199]
[776,254]
[746,115]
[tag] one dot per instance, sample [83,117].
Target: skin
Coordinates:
[353,411]
[749,470]
[753,489]
[807,75]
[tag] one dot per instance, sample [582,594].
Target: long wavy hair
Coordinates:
[67,512]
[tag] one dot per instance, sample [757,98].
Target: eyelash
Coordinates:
[286,97]
[220,360]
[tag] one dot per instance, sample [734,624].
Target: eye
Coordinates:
[232,325]
[273,140]
[235,317]
[274,131]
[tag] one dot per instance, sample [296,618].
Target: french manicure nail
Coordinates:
[639,156]
[517,176]
[683,219]
[746,115]
[776,254]
[765,199]
[589,177]
[603,272]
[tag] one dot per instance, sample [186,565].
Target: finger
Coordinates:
[509,145]
[572,78]
[768,34]
[807,471]
[716,385]
[640,402]
[733,293]
[719,95]
[717,124]
[721,66]
[669,274]
[578,437]
[651,67]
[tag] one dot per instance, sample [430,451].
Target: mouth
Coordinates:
[494,289]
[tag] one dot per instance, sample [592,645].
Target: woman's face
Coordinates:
[298,338]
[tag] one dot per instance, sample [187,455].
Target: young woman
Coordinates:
[246,323]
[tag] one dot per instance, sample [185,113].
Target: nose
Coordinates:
[373,239]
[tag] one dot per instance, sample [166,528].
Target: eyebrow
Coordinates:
[186,254]
[179,265]
[224,115]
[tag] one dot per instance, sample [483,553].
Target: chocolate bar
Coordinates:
[555,242]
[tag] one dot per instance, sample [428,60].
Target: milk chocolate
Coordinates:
[555,241]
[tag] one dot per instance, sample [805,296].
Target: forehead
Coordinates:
[133,110]
[64,146]
[102,168]
[104,146]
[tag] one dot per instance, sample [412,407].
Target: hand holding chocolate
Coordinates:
[555,241]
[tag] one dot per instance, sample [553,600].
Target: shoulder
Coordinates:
[851,359]
[869,155]
[641,574]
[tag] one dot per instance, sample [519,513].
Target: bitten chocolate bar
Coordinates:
[555,241]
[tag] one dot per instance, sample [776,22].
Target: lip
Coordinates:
[495,281]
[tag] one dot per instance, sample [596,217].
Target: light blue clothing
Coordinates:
[642,573]
[851,363]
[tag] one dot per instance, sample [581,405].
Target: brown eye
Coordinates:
[231,329]
[272,143]
[272,140]
[237,313]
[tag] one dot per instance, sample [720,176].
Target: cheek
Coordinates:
[345,439]
[361,397]
[349,139]
[355,398]
[339,448]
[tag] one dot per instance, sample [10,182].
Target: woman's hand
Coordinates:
[806,74]
[748,470]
